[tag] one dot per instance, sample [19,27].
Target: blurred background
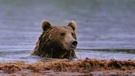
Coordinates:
[101,24]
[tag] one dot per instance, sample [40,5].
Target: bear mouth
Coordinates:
[69,47]
[72,48]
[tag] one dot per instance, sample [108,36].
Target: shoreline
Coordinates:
[66,67]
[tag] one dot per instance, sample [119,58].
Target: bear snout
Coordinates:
[74,43]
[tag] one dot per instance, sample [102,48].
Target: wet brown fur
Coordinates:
[49,43]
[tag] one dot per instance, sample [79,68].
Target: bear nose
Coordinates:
[74,43]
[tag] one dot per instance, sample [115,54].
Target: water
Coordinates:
[101,24]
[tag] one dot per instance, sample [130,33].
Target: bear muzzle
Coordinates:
[73,44]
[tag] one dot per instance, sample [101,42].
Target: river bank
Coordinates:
[69,67]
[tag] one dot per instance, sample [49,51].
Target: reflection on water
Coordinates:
[101,24]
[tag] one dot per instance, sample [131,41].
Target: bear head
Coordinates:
[56,41]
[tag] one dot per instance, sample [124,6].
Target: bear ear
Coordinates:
[72,24]
[45,25]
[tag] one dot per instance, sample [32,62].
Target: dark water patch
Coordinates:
[117,50]
[106,54]
[110,50]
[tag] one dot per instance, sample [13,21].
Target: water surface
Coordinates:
[101,24]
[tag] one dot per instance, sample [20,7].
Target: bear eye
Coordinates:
[72,34]
[62,34]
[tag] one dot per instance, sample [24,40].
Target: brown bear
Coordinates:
[56,41]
